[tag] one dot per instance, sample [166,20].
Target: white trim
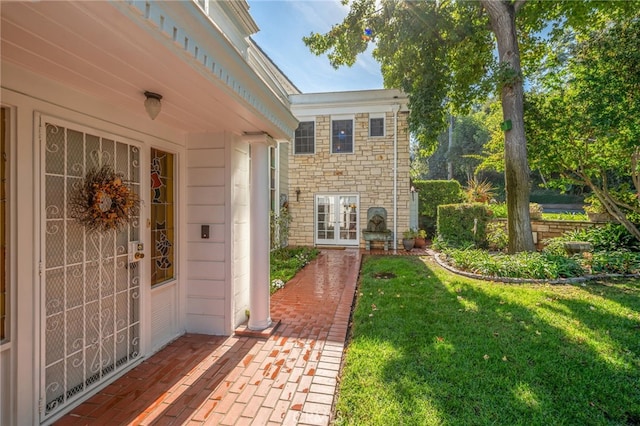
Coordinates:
[8,348]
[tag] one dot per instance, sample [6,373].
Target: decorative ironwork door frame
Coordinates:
[90,288]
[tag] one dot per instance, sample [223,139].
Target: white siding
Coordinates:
[206,268]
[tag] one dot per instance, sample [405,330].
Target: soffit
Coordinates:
[116,51]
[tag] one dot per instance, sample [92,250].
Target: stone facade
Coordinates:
[368,172]
[545,229]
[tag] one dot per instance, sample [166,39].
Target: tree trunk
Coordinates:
[502,18]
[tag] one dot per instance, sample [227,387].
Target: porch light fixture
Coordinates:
[152,104]
[297,194]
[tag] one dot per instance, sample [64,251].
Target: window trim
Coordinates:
[351,118]
[176,212]
[9,231]
[315,137]
[373,116]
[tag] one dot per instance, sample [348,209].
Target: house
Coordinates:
[144,145]
[350,153]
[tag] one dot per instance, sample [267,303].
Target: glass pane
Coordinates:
[162,216]
[342,136]
[376,126]
[304,138]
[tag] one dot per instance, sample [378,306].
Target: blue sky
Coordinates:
[283,23]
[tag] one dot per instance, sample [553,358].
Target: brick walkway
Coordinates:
[288,378]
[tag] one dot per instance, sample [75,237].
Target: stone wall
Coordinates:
[545,229]
[368,172]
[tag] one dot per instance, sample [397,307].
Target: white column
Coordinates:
[259,315]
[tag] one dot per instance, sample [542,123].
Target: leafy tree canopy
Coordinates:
[442,53]
[584,121]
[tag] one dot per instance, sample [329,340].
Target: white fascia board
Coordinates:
[372,101]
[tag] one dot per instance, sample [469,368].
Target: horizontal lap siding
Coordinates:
[206,267]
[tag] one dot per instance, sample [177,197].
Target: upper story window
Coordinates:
[376,126]
[305,138]
[342,136]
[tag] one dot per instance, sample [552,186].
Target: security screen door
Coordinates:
[90,288]
[336,220]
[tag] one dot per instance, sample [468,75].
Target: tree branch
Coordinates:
[518,4]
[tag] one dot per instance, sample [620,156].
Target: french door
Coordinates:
[90,279]
[336,221]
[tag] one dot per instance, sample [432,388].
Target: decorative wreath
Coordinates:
[103,201]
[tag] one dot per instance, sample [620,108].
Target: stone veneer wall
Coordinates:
[367,172]
[545,229]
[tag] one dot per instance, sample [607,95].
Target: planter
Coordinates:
[408,243]
[420,243]
[575,247]
[599,217]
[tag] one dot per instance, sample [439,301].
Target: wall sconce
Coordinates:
[152,104]
[297,194]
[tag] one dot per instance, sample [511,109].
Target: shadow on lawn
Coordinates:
[470,352]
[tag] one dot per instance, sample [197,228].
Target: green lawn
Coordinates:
[432,348]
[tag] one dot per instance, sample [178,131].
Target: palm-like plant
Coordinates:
[479,191]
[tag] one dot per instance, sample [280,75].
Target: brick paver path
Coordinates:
[288,378]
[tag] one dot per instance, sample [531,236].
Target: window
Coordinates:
[162,217]
[376,126]
[342,136]
[305,138]
[4,279]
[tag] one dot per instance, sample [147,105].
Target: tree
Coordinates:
[442,52]
[584,123]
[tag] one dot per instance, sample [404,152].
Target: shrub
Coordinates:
[616,262]
[609,237]
[520,265]
[431,194]
[479,191]
[549,196]
[497,236]
[279,228]
[463,225]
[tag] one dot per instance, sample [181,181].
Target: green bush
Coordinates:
[609,237]
[549,196]
[431,194]
[616,262]
[521,265]
[463,225]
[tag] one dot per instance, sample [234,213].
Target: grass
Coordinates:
[579,217]
[432,348]
[500,211]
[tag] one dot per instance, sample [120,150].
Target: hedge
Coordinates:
[463,225]
[431,194]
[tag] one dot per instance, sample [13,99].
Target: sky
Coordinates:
[282,25]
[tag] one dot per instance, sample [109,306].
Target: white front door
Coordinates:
[337,220]
[89,279]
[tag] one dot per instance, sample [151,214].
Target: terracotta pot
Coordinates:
[420,242]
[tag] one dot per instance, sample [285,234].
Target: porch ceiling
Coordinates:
[97,49]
